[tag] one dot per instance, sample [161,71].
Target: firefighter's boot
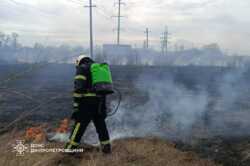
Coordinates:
[106,149]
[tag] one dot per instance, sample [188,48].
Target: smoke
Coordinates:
[169,105]
[232,105]
[161,103]
[175,111]
[59,137]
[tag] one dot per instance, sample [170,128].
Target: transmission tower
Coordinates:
[165,41]
[90,6]
[147,38]
[119,20]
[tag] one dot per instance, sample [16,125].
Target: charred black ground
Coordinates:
[46,89]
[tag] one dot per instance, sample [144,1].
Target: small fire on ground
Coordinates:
[39,134]
[35,134]
[64,126]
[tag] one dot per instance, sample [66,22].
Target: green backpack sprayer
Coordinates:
[101,78]
[102,83]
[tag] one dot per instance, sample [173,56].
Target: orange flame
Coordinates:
[35,134]
[64,126]
[38,134]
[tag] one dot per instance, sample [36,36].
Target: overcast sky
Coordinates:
[226,22]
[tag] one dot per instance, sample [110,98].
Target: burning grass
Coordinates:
[45,86]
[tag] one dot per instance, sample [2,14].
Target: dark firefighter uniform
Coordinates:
[88,107]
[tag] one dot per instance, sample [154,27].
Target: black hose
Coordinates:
[111,113]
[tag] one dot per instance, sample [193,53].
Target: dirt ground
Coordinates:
[127,152]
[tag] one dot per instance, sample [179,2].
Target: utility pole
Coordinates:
[119,21]
[164,42]
[90,6]
[147,39]
[136,55]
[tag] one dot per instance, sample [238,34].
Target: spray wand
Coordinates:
[111,112]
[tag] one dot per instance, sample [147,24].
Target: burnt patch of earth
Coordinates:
[52,86]
[227,151]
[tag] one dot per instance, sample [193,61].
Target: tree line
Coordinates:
[12,51]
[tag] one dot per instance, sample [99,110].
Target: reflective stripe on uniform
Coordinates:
[80,95]
[72,139]
[89,94]
[74,143]
[105,142]
[80,77]
[75,131]
[75,104]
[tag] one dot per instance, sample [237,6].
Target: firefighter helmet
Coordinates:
[81,57]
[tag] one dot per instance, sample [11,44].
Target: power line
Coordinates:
[100,12]
[103,13]
[100,9]
[105,10]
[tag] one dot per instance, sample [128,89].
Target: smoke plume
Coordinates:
[175,111]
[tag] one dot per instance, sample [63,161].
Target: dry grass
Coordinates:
[127,152]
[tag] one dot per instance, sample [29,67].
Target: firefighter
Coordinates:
[88,106]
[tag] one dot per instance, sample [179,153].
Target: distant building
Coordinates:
[117,54]
[212,50]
